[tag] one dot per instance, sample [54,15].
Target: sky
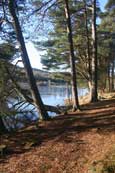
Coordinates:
[35,55]
[102,3]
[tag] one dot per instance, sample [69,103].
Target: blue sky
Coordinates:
[102,3]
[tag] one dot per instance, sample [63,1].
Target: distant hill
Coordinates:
[42,77]
[39,74]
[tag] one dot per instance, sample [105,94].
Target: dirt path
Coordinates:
[72,143]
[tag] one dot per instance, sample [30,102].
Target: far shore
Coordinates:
[86,99]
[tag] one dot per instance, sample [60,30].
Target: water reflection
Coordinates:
[53,95]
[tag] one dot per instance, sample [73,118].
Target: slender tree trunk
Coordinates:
[112,76]
[72,57]
[88,51]
[108,77]
[2,126]
[94,96]
[88,41]
[34,90]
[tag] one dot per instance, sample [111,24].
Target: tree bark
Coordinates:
[94,96]
[2,126]
[34,90]
[112,76]
[72,57]
[87,40]
[108,77]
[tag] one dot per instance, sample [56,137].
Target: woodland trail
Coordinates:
[72,143]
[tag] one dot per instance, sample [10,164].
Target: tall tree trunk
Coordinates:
[88,50]
[94,96]
[87,40]
[112,76]
[108,77]
[72,57]
[2,126]
[34,90]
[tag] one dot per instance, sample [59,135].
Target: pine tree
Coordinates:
[58,52]
[34,90]
[7,51]
[94,96]
[107,29]
[72,56]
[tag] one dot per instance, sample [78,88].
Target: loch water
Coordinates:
[54,95]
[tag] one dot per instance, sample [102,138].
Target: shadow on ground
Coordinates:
[99,117]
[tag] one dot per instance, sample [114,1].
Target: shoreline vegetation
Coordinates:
[86,98]
[73,142]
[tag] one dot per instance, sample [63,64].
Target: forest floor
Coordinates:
[81,142]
